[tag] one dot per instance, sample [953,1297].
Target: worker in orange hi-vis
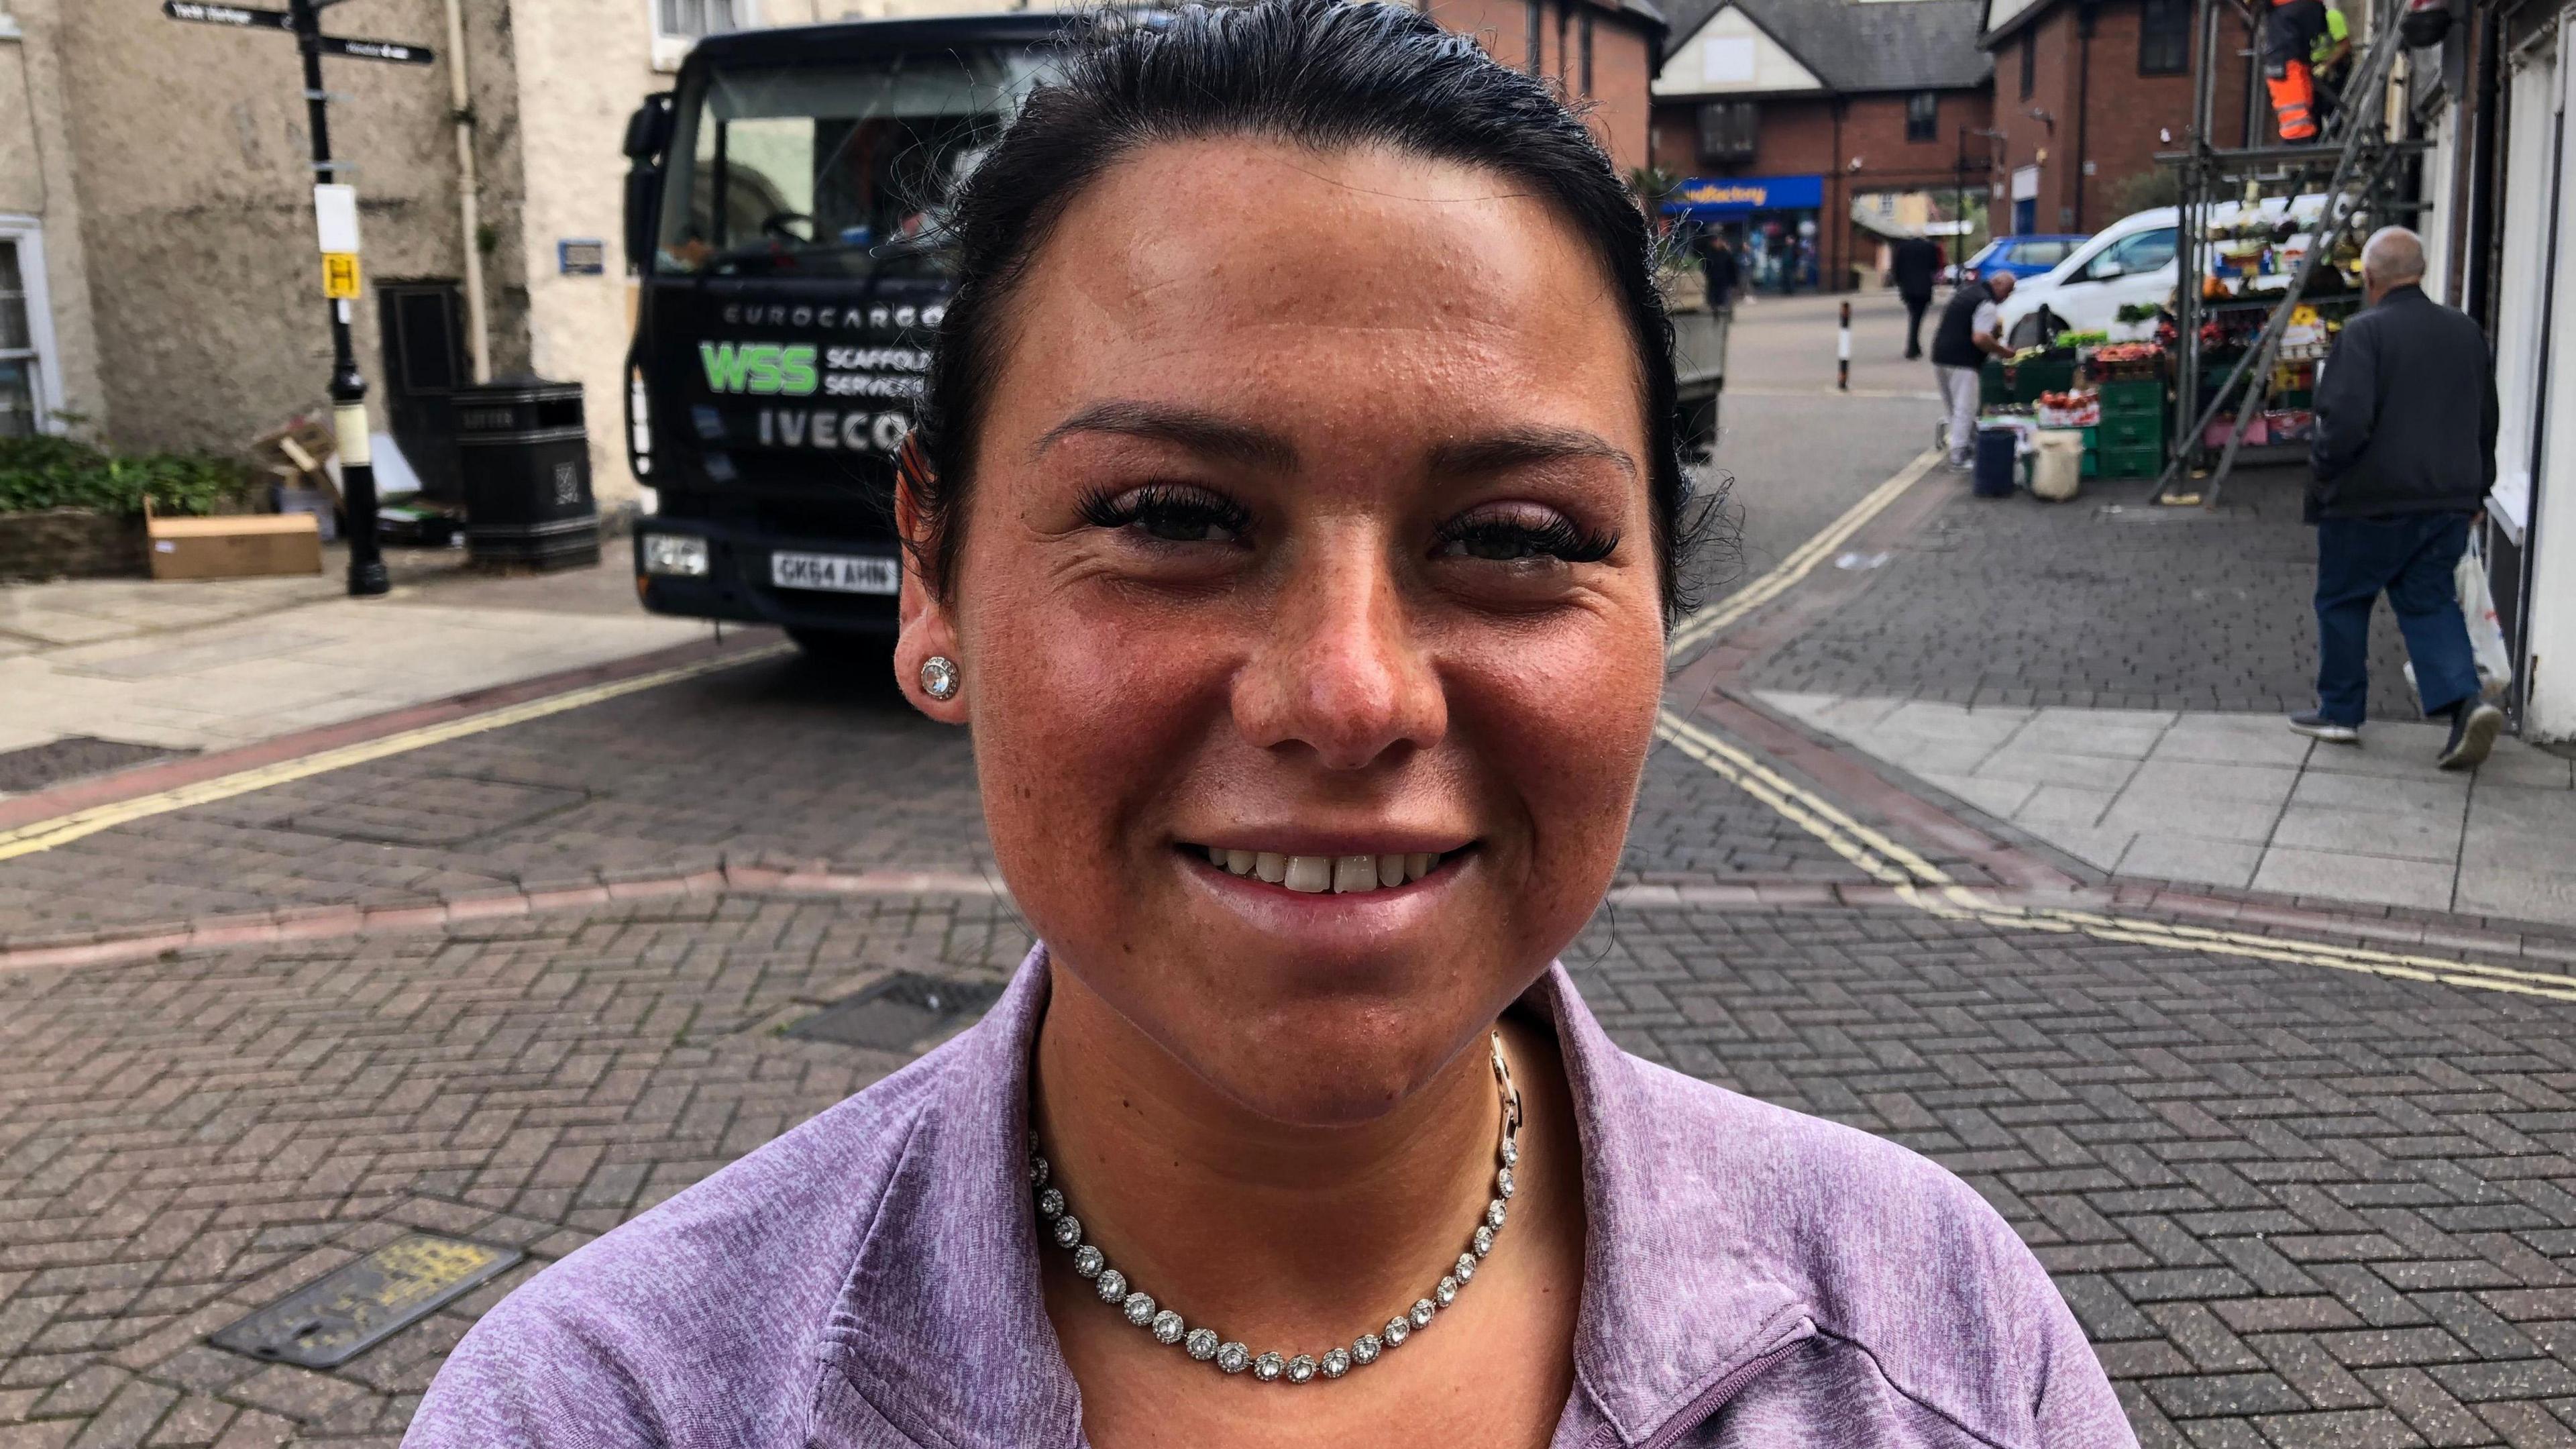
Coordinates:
[2289,35]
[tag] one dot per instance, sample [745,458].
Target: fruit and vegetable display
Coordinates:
[2127,359]
[2079,408]
[2082,339]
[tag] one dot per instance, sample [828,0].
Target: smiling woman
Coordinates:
[1294,523]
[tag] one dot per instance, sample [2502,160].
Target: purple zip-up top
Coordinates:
[1752,1277]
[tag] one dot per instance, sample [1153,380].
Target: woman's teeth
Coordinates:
[1316,874]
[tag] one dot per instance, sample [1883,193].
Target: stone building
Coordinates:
[159,284]
[1806,129]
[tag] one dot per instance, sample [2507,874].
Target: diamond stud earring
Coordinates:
[939,677]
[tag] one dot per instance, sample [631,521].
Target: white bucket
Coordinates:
[2058,470]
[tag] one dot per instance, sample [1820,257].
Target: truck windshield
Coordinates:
[835,169]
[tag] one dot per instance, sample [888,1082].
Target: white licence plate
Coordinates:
[835,573]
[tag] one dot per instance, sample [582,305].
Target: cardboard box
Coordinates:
[244,546]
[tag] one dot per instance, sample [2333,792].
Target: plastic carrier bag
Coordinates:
[2486,632]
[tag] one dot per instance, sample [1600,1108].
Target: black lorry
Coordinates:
[785,204]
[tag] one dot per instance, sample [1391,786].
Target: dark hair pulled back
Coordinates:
[1322,74]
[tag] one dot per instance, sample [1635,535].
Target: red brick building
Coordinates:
[1601,53]
[1810,129]
[2086,92]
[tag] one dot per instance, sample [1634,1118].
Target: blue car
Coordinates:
[2023,256]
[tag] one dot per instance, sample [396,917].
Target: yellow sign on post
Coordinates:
[340,276]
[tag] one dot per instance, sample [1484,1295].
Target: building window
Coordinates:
[1923,116]
[27,396]
[695,19]
[2164,37]
[2029,61]
[1727,131]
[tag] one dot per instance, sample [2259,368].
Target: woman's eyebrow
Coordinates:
[1520,447]
[1200,432]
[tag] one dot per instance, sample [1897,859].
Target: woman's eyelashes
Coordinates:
[1179,513]
[1169,514]
[1522,535]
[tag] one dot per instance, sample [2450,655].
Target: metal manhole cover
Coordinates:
[899,1011]
[72,757]
[358,1305]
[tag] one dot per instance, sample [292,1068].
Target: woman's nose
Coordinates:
[1340,670]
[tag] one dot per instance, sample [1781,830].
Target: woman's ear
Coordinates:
[927,627]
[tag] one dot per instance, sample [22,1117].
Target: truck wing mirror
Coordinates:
[649,129]
[648,134]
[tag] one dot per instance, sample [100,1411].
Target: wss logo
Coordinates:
[765,368]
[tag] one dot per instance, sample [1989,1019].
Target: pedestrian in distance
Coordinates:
[1717,269]
[1962,342]
[2403,456]
[1306,593]
[1914,266]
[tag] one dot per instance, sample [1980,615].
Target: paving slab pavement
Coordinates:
[2240,801]
[204,665]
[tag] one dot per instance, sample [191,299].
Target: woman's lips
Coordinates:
[1349,874]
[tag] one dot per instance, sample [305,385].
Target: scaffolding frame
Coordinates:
[2362,163]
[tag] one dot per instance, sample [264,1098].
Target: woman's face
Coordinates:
[1310,527]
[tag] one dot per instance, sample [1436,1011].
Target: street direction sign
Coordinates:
[239,16]
[334,204]
[392,50]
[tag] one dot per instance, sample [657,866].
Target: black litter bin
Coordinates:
[525,455]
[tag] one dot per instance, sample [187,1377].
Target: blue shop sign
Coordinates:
[1705,198]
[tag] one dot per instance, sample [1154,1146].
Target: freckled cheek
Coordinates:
[1567,723]
[1086,724]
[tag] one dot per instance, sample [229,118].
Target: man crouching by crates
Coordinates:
[2404,455]
[1960,346]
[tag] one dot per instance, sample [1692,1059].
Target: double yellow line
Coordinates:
[1800,562]
[62,829]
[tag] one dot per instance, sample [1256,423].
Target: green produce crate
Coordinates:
[1991,387]
[2092,461]
[2132,462]
[2041,375]
[2133,396]
[2131,431]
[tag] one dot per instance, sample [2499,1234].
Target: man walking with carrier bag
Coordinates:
[2404,454]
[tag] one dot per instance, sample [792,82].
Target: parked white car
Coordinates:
[2129,262]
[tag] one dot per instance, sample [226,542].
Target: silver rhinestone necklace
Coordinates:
[1207,1346]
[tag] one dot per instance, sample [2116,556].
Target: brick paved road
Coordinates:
[2016,602]
[768,762]
[184,1140]
[2292,1206]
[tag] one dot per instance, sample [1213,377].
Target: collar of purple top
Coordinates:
[1671,1310]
